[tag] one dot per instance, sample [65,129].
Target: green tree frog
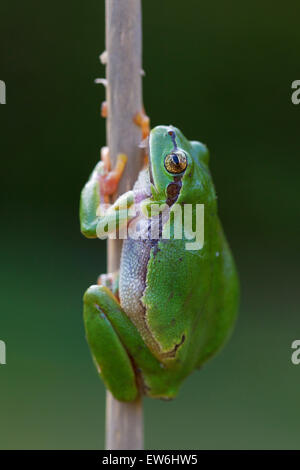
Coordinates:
[168,309]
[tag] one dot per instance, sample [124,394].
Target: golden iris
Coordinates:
[176,162]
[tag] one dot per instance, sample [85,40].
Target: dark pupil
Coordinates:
[175,159]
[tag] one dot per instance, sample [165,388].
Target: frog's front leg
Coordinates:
[102,183]
[108,178]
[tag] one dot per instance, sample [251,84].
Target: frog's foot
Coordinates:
[109,179]
[111,281]
[141,119]
[104,109]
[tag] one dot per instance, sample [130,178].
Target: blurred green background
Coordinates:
[222,72]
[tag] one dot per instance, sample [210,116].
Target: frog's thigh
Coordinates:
[108,352]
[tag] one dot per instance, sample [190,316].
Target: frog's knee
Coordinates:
[94,292]
[90,293]
[99,295]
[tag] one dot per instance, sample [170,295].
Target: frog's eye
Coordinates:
[176,162]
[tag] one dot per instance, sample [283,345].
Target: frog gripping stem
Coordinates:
[167,304]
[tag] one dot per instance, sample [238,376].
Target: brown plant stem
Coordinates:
[124,421]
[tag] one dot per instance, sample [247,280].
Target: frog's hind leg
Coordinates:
[110,355]
[122,358]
